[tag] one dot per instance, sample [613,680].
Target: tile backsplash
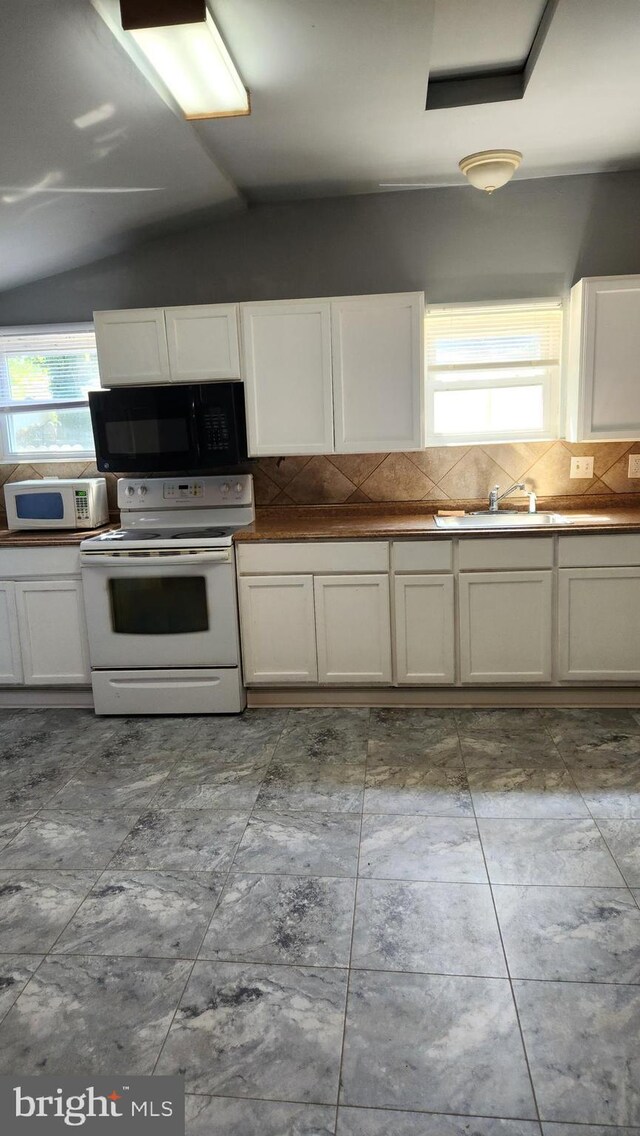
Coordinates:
[444,473]
[435,475]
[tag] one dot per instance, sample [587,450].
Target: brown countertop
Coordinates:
[324,522]
[51,538]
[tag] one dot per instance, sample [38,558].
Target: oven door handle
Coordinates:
[153,560]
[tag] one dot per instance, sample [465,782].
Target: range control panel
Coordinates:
[185,492]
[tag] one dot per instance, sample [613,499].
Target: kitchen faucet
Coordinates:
[495,497]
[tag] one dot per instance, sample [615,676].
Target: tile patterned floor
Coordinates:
[332,922]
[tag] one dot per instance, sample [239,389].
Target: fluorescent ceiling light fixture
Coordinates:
[185,51]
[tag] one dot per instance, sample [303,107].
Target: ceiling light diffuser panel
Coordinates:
[178,44]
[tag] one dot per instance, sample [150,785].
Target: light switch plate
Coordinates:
[582,467]
[634,465]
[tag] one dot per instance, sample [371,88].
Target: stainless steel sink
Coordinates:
[503,520]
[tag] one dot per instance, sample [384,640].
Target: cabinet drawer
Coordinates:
[506,552]
[42,562]
[599,551]
[422,556]
[313,557]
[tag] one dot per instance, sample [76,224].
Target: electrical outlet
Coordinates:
[634,465]
[582,467]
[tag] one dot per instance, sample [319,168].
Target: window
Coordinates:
[45,374]
[493,371]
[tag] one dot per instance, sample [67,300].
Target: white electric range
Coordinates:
[160,597]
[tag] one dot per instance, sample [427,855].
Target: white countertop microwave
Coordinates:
[57,503]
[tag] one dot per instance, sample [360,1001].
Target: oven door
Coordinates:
[153,609]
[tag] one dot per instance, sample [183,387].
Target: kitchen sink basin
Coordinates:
[503,520]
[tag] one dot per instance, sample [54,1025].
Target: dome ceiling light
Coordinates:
[490,169]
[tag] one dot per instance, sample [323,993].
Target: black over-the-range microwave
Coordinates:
[169,429]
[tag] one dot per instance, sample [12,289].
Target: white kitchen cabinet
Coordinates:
[603,365]
[278,629]
[10,658]
[132,347]
[505,627]
[203,342]
[424,629]
[287,375]
[52,632]
[599,624]
[353,628]
[145,346]
[378,372]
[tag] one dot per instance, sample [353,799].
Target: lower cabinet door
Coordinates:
[53,634]
[10,662]
[424,629]
[505,627]
[278,629]
[353,628]
[599,624]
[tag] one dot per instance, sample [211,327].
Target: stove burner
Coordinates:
[203,532]
[127,534]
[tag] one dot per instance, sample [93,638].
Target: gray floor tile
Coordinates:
[195,840]
[610,787]
[591,746]
[522,791]
[623,839]
[289,843]
[499,721]
[301,920]
[438,849]
[328,786]
[251,735]
[434,1042]
[259,1031]
[486,752]
[15,972]
[586,1130]
[228,1116]
[582,1045]
[547,852]
[120,788]
[230,786]
[155,914]
[11,822]
[220,770]
[419,733]
[383,1122]
[415,785]
[570,934]
[324,734]
[143,739]
[435,928]
[35,906]
[32,786]
[59,839]
[577,731]
[85,1015]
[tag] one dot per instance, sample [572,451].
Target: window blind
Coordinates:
[47,367]
[469,339]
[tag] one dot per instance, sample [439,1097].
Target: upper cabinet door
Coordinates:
[604,359]
[132,347]
[203,342]
[378,372]
[287,360]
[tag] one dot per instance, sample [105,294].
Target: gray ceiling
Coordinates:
[338,93]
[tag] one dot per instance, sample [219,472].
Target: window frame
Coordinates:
[552,381]
[9,457]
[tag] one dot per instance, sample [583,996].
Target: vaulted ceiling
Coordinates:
[90,155]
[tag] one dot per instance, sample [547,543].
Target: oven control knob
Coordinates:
[129,491]
[142,490]
[238,487]
[224,488]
